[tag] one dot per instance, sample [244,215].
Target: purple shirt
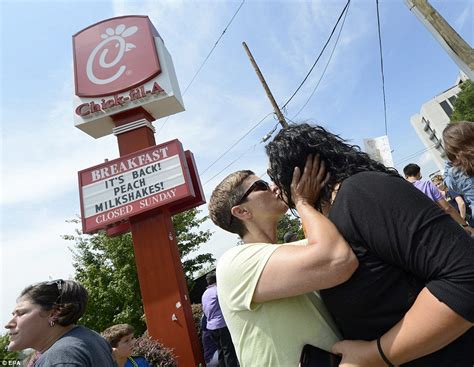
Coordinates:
[211,308]
[429,189]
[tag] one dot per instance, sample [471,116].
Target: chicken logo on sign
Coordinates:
[111,36]
[115,55]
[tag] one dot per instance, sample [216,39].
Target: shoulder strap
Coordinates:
[132,361]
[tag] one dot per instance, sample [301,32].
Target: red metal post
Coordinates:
[165,296]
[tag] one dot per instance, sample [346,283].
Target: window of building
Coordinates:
[446,108]
[452,99]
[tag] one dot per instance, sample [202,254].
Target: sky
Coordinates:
[42,151]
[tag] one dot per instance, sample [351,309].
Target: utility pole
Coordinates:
[458,49]
[281,118]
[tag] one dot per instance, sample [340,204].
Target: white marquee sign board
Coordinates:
[116,190]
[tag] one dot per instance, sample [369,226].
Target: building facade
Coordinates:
[433,117]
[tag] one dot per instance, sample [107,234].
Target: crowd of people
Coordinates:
[216,335]
[384,276]
[449,201]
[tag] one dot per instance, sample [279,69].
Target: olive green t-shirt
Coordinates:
[271,333]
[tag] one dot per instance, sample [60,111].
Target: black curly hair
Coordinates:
[292,145]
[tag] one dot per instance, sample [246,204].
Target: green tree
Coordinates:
[289,223]
[189,240]
[4,353]
[464,103]
[106,267]
[205,270]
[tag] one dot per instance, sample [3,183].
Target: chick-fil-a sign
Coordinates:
[114,55]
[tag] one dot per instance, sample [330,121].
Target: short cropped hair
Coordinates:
[67,297]
[224,197]
[458,138]
[115,333]
[211,278]
[411,170]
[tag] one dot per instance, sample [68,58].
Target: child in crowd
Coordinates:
[453,198]
[121,338]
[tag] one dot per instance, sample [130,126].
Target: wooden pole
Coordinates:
[281,118]
[454,45]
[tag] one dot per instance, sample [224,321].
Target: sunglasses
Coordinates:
[258,185]
[59,283]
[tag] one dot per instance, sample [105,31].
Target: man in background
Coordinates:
[216,324]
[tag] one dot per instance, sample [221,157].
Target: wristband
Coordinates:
[384,357]
[464,225]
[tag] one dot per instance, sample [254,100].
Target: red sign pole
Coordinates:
[165,297]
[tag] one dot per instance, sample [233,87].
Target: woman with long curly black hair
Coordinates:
[411,300]
[291,147]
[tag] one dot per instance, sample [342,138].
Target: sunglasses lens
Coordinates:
[261,186]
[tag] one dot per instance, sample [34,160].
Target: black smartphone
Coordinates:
[312,356]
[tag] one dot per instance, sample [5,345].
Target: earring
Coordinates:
[51,323]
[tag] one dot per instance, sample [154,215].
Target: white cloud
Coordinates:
[35,252]
[52,156]
[309,28]
[425,158]
[428,164]
[220,242]
[177,20]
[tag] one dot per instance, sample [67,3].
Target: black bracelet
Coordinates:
[384,357]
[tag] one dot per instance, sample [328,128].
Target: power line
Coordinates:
[238,141]
[258,123]
[263,140]
[413,155]
[270,133]
[206,58]
[381,68]
[291,120]
[325,68]
[162,125]
[319,56]
[230,164]
[343,13]
[215,45]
